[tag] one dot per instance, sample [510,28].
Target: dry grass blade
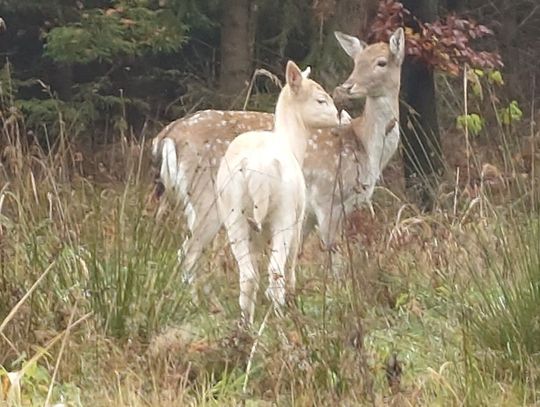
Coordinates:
[269,75]
[59,358]
[253,349]
[24,298]
[261,72]
[14,392]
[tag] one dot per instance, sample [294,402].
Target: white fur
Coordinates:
[344,118]
[174,176]
[397,44]
[351,45]
[261,189]
[324,194]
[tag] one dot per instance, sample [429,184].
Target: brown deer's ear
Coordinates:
[397,44]
[351,45]
[294,76]
[344,118]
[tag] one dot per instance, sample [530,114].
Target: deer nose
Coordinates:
[340,95]
[347,87]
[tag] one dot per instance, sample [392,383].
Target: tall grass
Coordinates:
[454,294]
[503,318]
[110,253]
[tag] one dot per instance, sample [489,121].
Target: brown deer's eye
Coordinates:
[381,63]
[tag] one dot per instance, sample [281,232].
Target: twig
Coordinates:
[533,142]
[14,392]
[467,143]
[254,348]
[62,347]
[24,298]
[10,344]
[456,186]
[532,13]
[260,72]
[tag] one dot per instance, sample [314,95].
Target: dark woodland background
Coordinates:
[101,68]
[148,60]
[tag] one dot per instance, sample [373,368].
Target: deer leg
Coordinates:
[203,232]
[296,245]
[329,227]
[308,226]
[249,277]
[282,242]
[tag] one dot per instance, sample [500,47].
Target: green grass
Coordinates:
[503,319]
[455,296]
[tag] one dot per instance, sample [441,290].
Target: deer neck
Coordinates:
[289,127]
[379,113]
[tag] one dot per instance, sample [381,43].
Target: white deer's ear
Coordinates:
[306,72]
[344,118]
[397,44]
[294,76]
[351,45]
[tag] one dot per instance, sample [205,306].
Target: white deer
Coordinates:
[261,188]
[339,173]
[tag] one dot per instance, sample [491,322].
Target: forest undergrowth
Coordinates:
[426,309]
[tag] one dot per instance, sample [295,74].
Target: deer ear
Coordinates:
[397,44]
[306,72]
[351,45]
[344,118]
[294,76]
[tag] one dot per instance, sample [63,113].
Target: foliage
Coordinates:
[504,321]
[495,77]
[110,53]
[477,80]
[510,114]
[473,122]
[119,287]
[45,112]
[130,62]
[444,44]
[120,31]
[32,386]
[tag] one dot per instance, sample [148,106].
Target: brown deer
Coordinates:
[340,173]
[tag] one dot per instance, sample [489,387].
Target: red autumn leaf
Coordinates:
[443,44]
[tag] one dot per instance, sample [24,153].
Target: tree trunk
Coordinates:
[419,122]
[332,64]
[354,16]
[236,47]
[457,6]
[62,80]
[510,52]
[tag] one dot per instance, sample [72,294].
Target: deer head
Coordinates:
[377,67]
[310,102]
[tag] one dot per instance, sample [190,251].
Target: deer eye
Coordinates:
[381,63]
[322,101]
